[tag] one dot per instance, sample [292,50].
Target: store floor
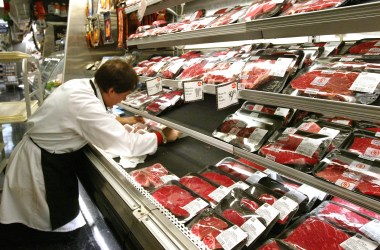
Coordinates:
[95,235]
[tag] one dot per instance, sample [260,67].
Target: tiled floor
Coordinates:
[95,235]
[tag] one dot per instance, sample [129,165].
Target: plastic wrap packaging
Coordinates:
[285,206]
[369,126]
[312,5]
[200,23]
[355,207]
[172,69]
[219,177]
[336,84]
[275,244]
[298,149]
[155,68]
[347,170]
[216,232]
[267,73]
[338,120]
[298,54]
[165,101]
[366,47]
[223,72]
[239,208]
[153,176]
[193,70]
[261,9]
[139,99]
[339,134]
[366,144]
[180,201]
[229,17]
[246,131]
[313,233]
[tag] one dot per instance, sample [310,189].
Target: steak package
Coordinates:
[369,126]
[365,144]
[284,113]
[261,9]
[336,84]
[165,101]
[194,69]
[229,17]
[275,244]
[313,5]
[217,232]
[200,23]
[313,233]
[287,207]
[368,46]
[267,72]
[223,72]
[172,69]
[348,170]
[298,149]
[338,120]
[239,208]
[153,176]
[339,134]
[246,131]
[139,99]
[213,174]
[183,203]
[355,207]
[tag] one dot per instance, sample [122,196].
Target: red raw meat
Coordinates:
[229,17]
[315,234]
[270,199]
[141,177]
[199,186]
[258,74]
[343,217]
[150,176]
[219,178]
[271,246]
[369,187]
[249,204]
[310,127]
[361,144]
[259,9]
[374,129]
[356,207]
[245,132]
[234,216]
[252,164]
[173,198]
[207,229]
[312,5]
[333,172]
[193,72]
[363,48]
[237,170]
[226,126]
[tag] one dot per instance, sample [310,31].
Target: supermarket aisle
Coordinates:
[95,235]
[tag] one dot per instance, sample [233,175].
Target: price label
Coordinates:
[153,86]
[377,134]
[339,121]
[311,91]
[227,95]
[240,185]
[268,213]
[308,146]
[219,193]
[332,133]
[254,178]
[357,165]
[345,184]
[167,178]
[236,67]
[285,206]
[374,50]
[320,81]
[312,192]
[359,242]
[372,230]
[372,152]
[366,82]
[281,66]
[282,112]
[257,135]
[195,206]
[289,130]
[254,228]
[231,237]
[193,91]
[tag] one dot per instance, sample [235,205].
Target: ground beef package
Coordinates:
[348,170]
[217,232]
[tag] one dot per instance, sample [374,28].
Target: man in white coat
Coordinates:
[41,188]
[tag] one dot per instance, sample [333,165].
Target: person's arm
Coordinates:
[167,135]
[130,120]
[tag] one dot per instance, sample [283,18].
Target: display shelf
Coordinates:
[350,19]
[136,6]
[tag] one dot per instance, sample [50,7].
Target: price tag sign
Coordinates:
[366,82]
[226,95]
[153,86]
[193,91]
[359,242]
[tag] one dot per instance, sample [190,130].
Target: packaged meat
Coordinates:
[154,69]
[298,149]
[234,208]
[298,54]
[200,23]
[366,46]
[229,17]
[153,176]
[213,229]
[339,120]
[213,174]
[365,144]
[348,170]
[200,186]
[180,201]
[236,168]
[224,72]
[194,70]
[261,9]
[165,101]
[275,244]
[139,100]
[172,69]
[284,113]
[313,5]
[266,73]
[369,126]
[159,23]
[313,233]
[355,207]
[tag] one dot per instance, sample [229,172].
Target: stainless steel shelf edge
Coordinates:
[137,6]
[350,19]
[232,32]
[328,107]
[310,180]
[199,136]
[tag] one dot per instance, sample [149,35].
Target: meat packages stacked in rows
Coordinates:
[292,7]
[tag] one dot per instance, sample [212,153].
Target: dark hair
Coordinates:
[117,74]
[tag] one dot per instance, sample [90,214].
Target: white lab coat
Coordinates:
[70,117]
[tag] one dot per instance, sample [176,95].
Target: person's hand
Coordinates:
[130,120]
[171,134]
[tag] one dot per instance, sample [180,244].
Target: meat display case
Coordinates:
[134,212]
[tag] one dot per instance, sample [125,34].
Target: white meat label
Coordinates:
[285,206]
[320,81]
[312,192]
[231,237]
[332,133]
[254,114]
[377,134]
[357,165]
[254,178]
[167,178]
[258,107]
[257,135]
[308,146]
[234,131]
[236,67]
[209,65]
[377,44]
[311,91]
[281,66]
[346,59]
[289,130]
[158,66]
[176,66]
[195,206]
[359,242]
[339,121]
[270,157]
[269,171]
[282,112]
[227,95]
[345,184]
[240,185]
[154,86]
[374,50]
[366,82]
[278,1]
[351,175]
[254,228]
[267,212]
[372,230]
[372,152]
[375,142]
[193,91]
[219,193]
